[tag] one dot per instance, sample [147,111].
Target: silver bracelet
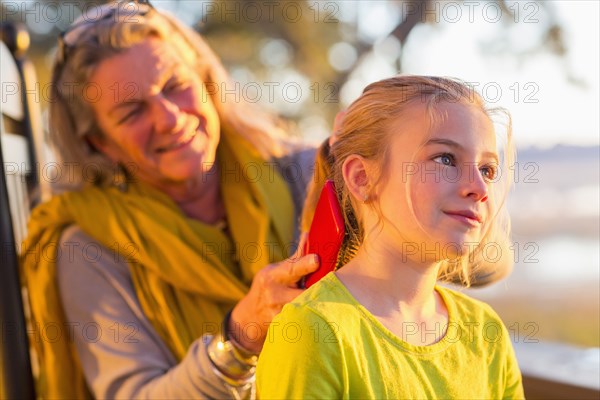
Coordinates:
[232,363]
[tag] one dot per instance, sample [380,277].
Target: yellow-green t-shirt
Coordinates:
[325,345]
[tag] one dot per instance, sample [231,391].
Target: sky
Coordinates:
[546,108]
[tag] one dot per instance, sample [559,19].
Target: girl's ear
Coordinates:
[356,175]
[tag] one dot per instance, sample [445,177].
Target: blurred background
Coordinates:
[306,60]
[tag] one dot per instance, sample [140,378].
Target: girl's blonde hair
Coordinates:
[365,132]
[116,28]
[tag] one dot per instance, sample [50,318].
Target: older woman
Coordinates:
[157,273]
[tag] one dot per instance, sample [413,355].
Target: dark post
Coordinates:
[15,365]
[16,379]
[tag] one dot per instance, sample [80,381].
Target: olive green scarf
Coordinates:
[186,274]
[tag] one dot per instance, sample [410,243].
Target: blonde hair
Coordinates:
[365,132]
[121,26]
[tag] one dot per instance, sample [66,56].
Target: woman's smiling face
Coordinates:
[156,116]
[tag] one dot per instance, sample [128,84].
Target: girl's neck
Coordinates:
[392,277]
[399,291]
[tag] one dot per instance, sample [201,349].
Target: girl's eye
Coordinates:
[445,159]
[489,172]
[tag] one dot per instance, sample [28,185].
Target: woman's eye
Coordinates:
[175,86]
[445,159]
[129,116]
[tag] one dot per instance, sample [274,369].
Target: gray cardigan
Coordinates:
[121,354]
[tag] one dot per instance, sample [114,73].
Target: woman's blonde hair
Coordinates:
[116,28]
[365,132]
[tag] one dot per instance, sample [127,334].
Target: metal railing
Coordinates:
[559,371]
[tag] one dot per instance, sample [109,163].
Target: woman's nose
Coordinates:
[166,115]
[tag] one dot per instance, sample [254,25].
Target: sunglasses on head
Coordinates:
[119,9]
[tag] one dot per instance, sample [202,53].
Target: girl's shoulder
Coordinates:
[325,300]
[466,307]
[326,291]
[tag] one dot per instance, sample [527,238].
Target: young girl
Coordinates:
[417,170]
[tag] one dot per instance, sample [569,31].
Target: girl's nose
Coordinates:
[473,184]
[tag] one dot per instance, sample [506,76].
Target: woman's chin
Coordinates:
[186,172]
[188,166]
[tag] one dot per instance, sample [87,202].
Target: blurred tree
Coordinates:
[320,27]
[296,56]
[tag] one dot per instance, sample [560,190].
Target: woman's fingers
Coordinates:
[272,288]
[291,270]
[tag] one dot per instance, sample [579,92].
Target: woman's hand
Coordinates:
[273,287]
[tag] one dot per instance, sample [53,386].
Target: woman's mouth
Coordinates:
[184,141]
